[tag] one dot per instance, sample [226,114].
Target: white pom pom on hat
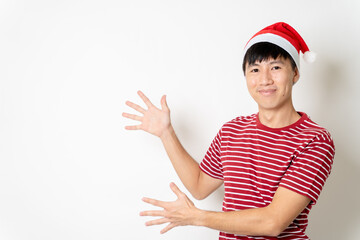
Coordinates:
[286,37]
[309,57]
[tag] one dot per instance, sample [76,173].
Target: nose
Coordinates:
[265,78]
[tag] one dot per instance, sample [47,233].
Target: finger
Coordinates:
[176,190]
[145,99]
[135,107]
[157,222]
[152,213]
[135,127]
[168,228]
[132,116]
[154,202]
[163,102]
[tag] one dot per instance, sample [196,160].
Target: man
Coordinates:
[273,164]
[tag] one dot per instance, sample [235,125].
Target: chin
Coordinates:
[267,106]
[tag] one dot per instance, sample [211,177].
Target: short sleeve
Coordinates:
[310,167]
[211,163]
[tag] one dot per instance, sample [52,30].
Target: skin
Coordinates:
[270,84]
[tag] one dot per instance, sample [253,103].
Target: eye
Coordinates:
[276,68]
[254,70]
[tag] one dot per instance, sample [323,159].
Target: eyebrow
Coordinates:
[271,62]
[277,62]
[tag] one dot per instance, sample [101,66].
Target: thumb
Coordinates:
[163,102]
[176,190]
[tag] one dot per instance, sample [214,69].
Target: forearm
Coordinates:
[265,221]
[185,166]
[157,122]
[252,222]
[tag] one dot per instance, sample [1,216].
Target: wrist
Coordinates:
[199,218]
[167,133]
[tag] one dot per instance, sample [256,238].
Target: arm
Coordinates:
[266,221]
[157,122]
[199,184]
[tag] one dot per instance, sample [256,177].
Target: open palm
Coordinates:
[153,119]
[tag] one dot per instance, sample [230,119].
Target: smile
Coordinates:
[267,92]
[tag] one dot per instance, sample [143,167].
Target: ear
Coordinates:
[296,75]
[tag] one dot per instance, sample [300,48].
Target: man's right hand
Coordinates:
[157,122]
[153,120]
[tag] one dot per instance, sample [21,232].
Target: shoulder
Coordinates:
[241,121]
[317,132]
[317,137]
[239,125]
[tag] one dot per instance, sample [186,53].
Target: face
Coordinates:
[270,83]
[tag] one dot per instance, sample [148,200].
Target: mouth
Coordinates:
[267,92]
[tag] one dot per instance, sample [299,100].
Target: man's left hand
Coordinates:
[180,212]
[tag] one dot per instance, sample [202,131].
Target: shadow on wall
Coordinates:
[336,216]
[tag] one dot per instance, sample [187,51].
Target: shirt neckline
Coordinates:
[295,124]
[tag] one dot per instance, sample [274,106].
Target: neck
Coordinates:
[279,118]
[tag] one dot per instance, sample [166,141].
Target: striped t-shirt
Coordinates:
[254,160]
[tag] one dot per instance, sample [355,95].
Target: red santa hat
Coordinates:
[286,37]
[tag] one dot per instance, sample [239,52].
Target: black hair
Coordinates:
[264,51]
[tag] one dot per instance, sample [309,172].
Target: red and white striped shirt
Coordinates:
[254,160]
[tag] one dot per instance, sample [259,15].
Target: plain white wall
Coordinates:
[69,170]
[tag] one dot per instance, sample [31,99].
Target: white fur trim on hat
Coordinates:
[277,40]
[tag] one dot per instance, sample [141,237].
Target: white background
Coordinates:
[69,170]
